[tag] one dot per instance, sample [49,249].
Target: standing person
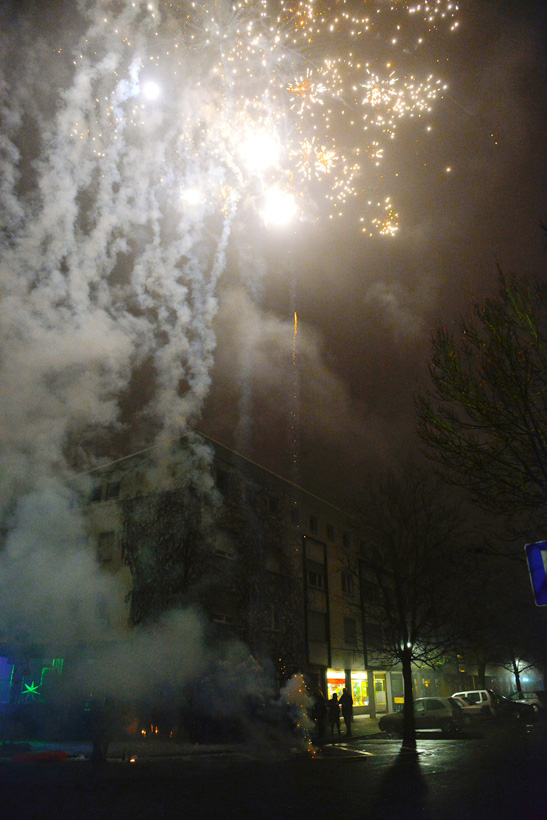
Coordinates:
[334,714]
[346,702]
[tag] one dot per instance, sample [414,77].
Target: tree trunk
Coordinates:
[409,727]
[516,673]
[481,673]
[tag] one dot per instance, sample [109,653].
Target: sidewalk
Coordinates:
[363,726]
[138,749]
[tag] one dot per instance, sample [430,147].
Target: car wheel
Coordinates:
[448,727]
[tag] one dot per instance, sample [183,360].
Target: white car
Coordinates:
[468,710]
[483,701]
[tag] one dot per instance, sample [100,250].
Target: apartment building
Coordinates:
[266,562]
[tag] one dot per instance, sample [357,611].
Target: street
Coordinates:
[495,772]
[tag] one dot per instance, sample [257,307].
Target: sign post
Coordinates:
[536,556]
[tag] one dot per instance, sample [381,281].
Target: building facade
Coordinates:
[266,562]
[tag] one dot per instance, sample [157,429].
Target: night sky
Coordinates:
[367,306]
[323,408]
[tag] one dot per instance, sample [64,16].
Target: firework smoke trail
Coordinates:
[124,166]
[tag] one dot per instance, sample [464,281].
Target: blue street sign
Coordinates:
[536,555]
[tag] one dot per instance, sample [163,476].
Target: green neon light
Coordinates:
[30,690]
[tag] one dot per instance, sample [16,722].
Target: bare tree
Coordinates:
[168,542]
[484,422]
[410,575]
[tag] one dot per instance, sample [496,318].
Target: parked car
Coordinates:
[514,709]
[429,713]
[484,701]
[534,699]
[468,710]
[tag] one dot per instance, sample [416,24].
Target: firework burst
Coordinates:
[209,78]
[166,122]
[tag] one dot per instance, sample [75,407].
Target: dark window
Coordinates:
[223,481]
[101,610]
[275,620]
[225,545]
[330,532]
[433,705]
[316,574]
[251,496]
[106,544]
[273,505]
[313,523]
[347,583]
[371,593]
[272,559]
[222,618]
[346,539]
[295,516]
[317,626]
[374,635]
[112,490]
[96,493]
[350,631]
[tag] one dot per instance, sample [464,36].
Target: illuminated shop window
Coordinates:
[359,688]
[336,680]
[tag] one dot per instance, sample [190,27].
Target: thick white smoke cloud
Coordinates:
[105,269]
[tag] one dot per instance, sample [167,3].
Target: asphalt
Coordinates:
[139,748]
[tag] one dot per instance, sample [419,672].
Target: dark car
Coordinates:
[535,699]
[429,713]
[514,709]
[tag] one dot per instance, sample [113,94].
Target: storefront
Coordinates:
[336,681]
